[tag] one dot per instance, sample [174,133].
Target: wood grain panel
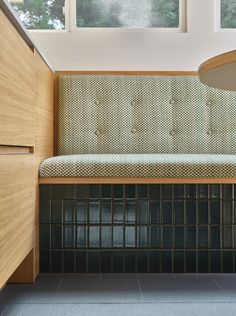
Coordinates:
[44,96]
[17,215]
[217,61]
[15,150]
[44,107]
[25,273]
[219,72]
[126,73]
[16,86]
[120,180]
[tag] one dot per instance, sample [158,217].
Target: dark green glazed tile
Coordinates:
[179,261]
[203,261]
[166,261]
[69,262]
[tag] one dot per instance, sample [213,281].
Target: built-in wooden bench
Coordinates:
[121,128]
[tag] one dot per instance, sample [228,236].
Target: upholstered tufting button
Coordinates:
[209,103]
[97,132]
[172,101]
[209,132]
[134,130]
[133,103]
[172,132]
[97,102]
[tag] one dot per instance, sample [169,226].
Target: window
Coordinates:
[228,14]
[40,14]
[127,13]
[81,14]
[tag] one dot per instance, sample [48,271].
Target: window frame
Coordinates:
[217,19]
[70,23]
[181,29]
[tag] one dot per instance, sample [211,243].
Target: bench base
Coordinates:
[137,228]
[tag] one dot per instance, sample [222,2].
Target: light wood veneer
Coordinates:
[16,87]
[26,138]
[17,215]
[120,180]
[220,71]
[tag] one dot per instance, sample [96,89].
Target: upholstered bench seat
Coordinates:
[142,129]
[140,165]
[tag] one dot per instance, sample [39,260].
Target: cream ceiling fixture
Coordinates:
[220,71]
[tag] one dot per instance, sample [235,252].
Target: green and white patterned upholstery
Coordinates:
[143,126]
[140,165]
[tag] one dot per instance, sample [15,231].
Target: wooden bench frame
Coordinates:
[122,180]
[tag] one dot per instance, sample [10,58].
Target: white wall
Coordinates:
[142,49]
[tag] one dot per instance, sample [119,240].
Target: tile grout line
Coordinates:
[218,285]
[58,289]
[141,294]
[4,310]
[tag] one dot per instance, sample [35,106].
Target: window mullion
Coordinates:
[183,15]
[72,15]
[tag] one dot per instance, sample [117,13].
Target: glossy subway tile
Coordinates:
[182,228]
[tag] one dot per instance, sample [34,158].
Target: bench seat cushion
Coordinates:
[140,165]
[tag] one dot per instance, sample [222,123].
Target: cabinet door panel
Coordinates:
[44,107]
[16,87]
[17,216]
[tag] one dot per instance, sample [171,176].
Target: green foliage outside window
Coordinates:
[48,14]
[228,13]
[91,14]
[41,14]
[128,13]
[165,13]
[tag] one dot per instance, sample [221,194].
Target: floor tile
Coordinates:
[137,276]
[119,276]
[43,291]
[228,285]
[2,308]
[108,291]
[95,294]
[224,275]
[181,289]
[29,296]
[54,279]
[138,309]
[216,309]
[159,276]
[193,276]
[60,276]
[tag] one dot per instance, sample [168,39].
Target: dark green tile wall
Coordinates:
[137,228]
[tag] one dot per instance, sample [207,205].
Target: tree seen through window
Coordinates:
[48,14]
[228,13]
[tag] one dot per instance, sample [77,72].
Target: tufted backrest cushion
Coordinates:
[144,114]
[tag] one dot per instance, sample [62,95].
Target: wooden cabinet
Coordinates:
[16,87]
[26,138]
[17,172]
[17,216]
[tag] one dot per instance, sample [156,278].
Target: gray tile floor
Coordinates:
[122,294]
